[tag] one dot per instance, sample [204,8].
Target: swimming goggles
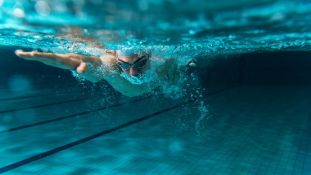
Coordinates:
[138,64]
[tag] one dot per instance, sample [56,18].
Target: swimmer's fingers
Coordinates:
[68,58]
[63,61]
[38,55]
[25,55]
[46,55]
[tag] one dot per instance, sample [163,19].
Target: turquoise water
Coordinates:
[243,109]
[170,27]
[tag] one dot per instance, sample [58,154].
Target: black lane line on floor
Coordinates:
[86,112]
[71,115]
[86,139]
[34,95]
[38,95]
[44,105]
[94,136]
[24,97]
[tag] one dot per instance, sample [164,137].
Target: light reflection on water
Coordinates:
[169,27]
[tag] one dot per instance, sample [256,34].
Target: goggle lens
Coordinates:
[137,65]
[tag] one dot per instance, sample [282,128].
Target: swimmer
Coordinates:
[110,66]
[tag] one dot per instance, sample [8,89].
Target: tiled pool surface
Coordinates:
[248,130]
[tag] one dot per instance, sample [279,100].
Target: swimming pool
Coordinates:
[245,109]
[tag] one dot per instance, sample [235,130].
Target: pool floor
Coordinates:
[247,130]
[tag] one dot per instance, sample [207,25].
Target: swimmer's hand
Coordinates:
[64,61]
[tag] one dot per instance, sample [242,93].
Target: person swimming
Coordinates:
[110,66]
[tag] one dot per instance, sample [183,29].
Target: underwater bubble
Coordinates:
[192,64]
[204,115]
[192,32]
[19,13]
[42,8]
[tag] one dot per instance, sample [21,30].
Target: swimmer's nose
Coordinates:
[133,71]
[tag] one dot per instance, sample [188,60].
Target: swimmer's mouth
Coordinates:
[138,75]
[135,79]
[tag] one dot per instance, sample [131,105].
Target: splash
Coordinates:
[133,79]
[204,115]
[165,27]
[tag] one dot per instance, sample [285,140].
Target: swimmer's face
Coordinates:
[132,64]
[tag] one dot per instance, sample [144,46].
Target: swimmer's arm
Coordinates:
[169,71]
[70,61]
[79,63]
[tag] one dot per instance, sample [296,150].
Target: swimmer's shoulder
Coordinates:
[108,58]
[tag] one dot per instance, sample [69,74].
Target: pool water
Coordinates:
[248,129]
[244,108]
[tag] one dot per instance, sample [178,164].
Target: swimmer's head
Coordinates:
[131,62]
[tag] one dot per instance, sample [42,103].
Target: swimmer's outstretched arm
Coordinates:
[68,61]
[80,63]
